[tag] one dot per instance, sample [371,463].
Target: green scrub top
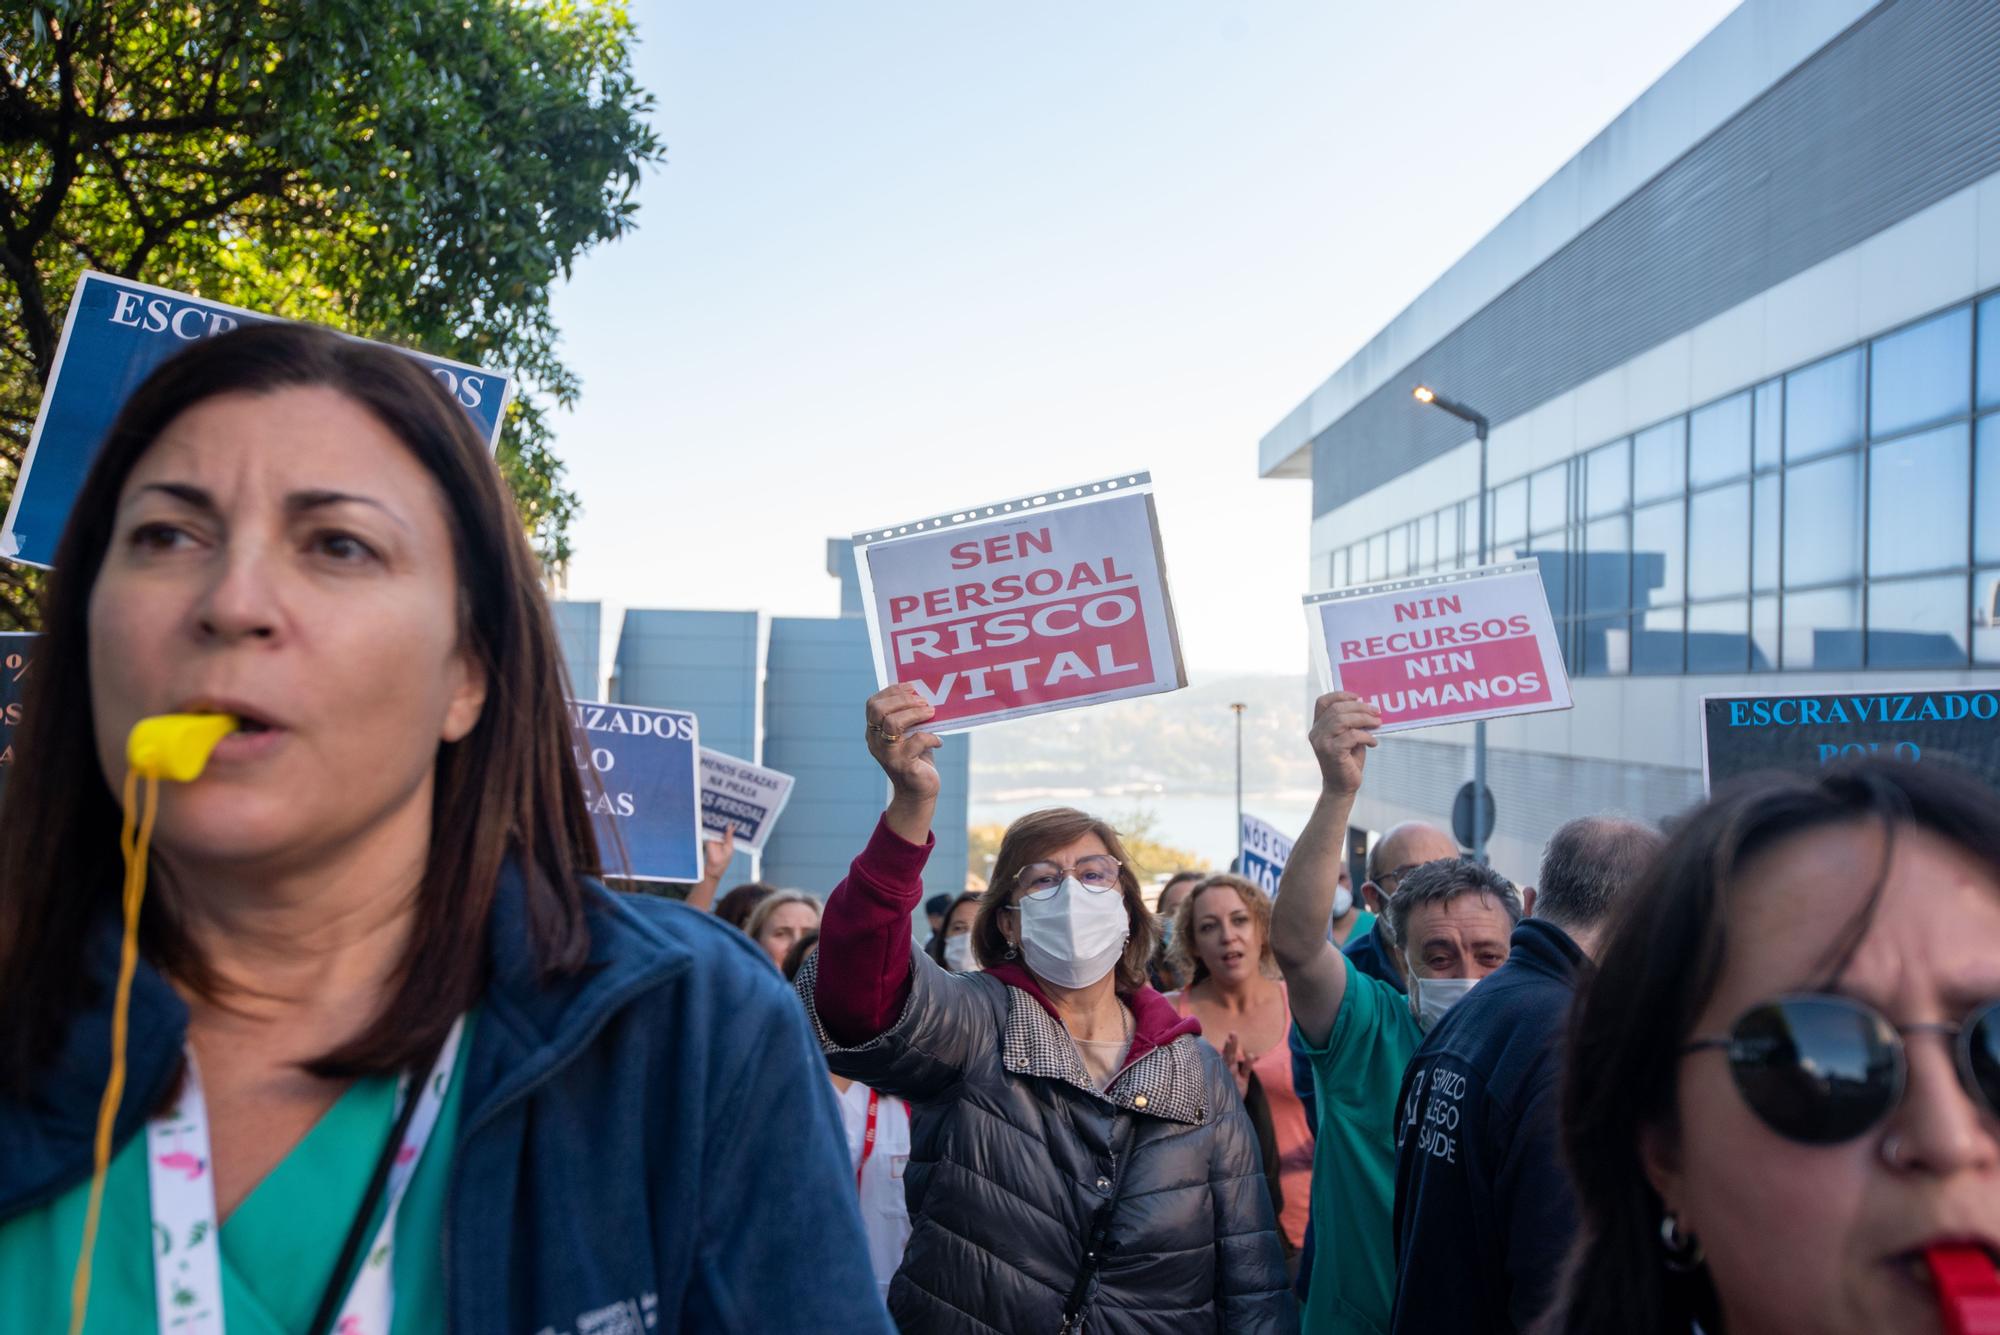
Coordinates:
[1356,1077]
[276,1247]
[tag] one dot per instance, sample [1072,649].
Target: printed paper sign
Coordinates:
[1024,607]
[646,793]
[116,332]
[1443,648]
[1264,854]
[17,655]
[1741,734]
[737,795]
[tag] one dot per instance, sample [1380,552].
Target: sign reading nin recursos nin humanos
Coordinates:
[1443,648]
[645,794]
[1264,854]
[1026,606]
[116,332]
[1741,734]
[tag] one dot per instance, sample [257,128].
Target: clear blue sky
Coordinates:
[906,257]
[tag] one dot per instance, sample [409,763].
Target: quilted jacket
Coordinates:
[1014,1152]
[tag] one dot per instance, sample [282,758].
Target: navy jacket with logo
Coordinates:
[652,1145]
[1484,1211]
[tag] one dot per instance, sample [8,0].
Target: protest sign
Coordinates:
[737,795]
[1741,734]
[117,331]
[1264,853]
[646,793]
[1026,606]
[1447,648]
[17,655]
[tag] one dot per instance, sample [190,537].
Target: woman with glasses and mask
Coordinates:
[1782,1110]
[1079,1157]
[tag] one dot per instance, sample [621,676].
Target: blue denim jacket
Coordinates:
[650,1145]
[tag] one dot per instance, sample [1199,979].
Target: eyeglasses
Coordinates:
[1821,1069]
[1039,880]
[1389,880]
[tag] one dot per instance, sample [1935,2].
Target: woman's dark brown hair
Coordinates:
[736,907]
[1657,971]
[508,789]
[935,946]
[1031,839]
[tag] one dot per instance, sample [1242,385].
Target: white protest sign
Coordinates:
[1263,854]
[737,795]
[1026,606]
[1443,648]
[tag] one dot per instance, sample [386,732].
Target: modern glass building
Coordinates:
[1742,360]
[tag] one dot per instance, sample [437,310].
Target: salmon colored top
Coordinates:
[1288,1122]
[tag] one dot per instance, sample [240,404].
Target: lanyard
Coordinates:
[187,1269]
[867,1138]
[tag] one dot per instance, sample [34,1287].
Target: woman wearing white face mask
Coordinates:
[951,948]
[1077,1156]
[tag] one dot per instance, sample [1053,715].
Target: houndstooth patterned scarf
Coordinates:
[1167,1082]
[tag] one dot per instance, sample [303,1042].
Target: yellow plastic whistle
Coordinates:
[176,746]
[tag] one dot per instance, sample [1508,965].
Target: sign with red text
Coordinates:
[1443,648]
[1026,606]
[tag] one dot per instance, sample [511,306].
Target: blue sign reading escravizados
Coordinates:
[1744,733]
[116,332]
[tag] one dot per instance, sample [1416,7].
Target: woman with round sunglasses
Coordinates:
[1782,1109]
[1079,1159]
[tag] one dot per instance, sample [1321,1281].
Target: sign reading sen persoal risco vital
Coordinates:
[1741,734]
[1026,606]
[117,331]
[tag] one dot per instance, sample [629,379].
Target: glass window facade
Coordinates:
[1844,515]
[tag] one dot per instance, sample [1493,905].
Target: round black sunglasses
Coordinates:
[1821,1069]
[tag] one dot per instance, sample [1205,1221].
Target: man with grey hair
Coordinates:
[1360,1031]
[1484,1211]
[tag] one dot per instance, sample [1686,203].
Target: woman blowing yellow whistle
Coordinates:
[380,1004]
[172,746]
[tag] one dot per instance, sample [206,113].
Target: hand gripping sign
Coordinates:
[737,795]
[645,794]
[1026,606]
[117,331]
[1449,648]
[1263,854]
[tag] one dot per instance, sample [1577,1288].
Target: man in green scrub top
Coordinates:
[1358,1032]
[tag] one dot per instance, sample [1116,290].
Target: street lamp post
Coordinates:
[1425,394]
[1237,709]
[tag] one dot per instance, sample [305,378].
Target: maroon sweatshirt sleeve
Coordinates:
[864,938]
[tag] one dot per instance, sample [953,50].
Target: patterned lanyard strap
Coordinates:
[187,1270]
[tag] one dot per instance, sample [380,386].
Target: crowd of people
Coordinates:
[402,1064]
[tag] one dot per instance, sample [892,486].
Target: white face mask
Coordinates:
[1343,900]
[958,953]
[1075,936]
[1432,997]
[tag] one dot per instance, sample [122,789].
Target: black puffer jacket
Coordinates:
[1014,1154]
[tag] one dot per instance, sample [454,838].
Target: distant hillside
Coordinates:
[1184,743]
